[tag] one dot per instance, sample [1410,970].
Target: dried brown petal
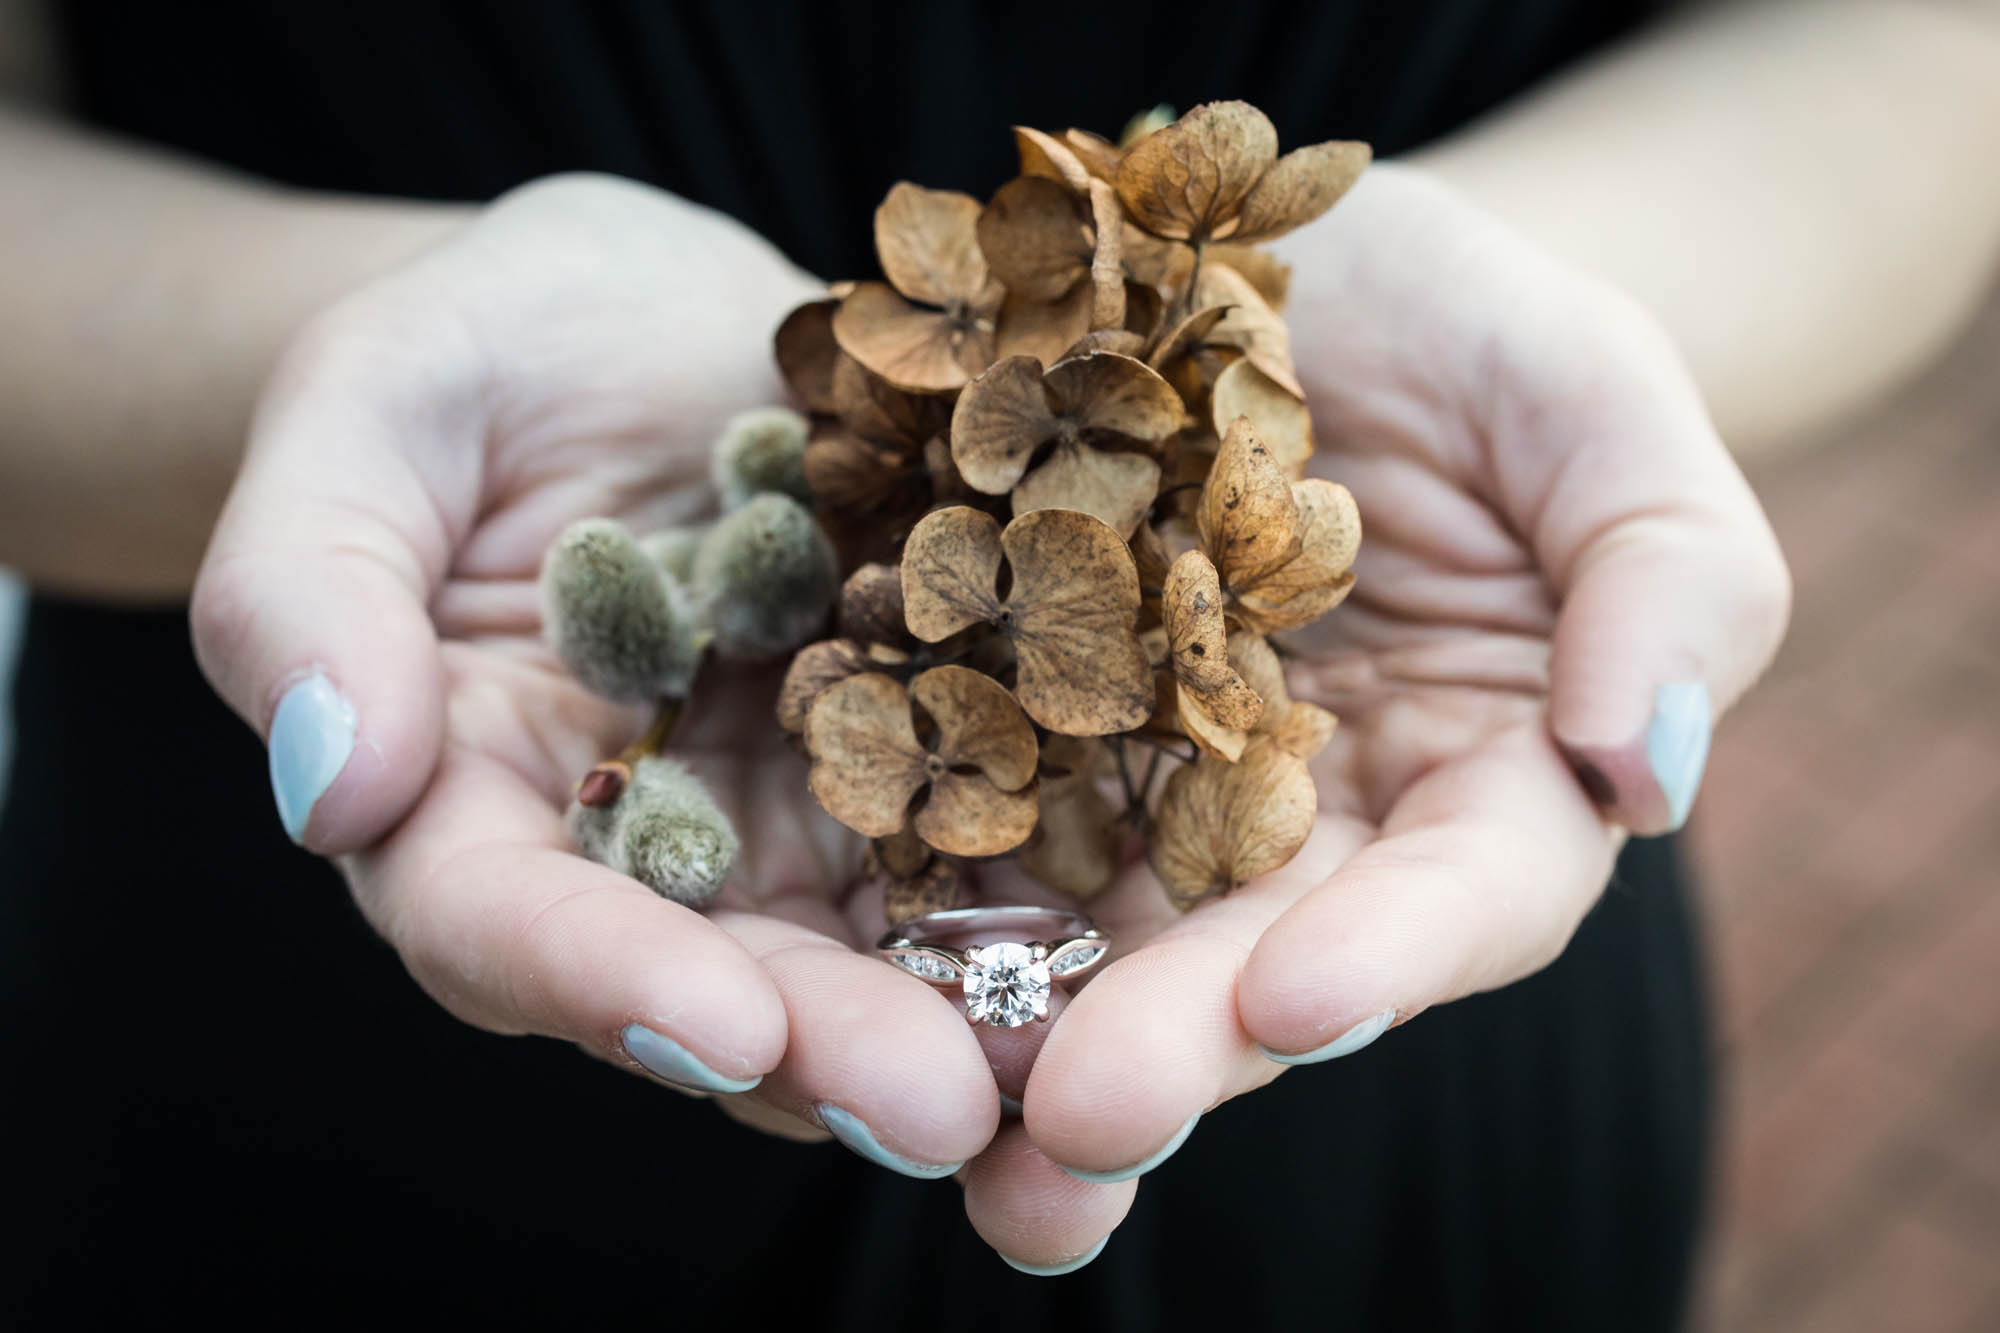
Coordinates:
[1264,271]
[1316,577]
[1305,729]
[1220,824]
[1002,417]
[848,472]
[1123,342]
[969,816]
[815,667]
[979,724]
[1075,849]
[1045,155]
[871,605]
[867,763]
[1043,329]
[1074,600]
[913,348]
[807,352]
[1300,186]
[1199,644]
[1144,307]
[900,855]
[877,410]
[1188,181]
[1117,488]
[951,570]
[1248,520]
[1099,156]
[1036,239]
[1116,394]
[928,243]
[1107,257]
[1281,419]
[1184,337]
[934,888]
[1251,324]
[1297,726]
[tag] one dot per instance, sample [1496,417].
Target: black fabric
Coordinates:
[224,1097]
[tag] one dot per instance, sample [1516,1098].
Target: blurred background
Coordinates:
[1847,836]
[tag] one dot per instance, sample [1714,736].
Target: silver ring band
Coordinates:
[1006,981]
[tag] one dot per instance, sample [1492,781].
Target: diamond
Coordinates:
[1005,985]
[924,965]
[1076,960]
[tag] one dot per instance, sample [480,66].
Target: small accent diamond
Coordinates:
[1075,960]
[1005,985]
[926,966]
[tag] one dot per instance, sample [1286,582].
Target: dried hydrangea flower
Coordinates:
[1220,824]
[1098,414]
[761,450]
[942,317]
[1215,173]
[664,830]
[1283,548]
[620,626]
[972,785]
[813,668]
[1069,613]
[1249,326]
[764,578]
[1298,727]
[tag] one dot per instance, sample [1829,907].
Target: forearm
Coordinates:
[1804,192]
[144,298]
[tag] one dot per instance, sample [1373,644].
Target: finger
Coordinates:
[309,610]
[514,935]
[1673,592]
[877,1058]
[1479,877]
[1041,1220]
[1155,1040]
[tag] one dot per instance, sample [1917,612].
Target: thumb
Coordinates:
[1674,595]
[309,613]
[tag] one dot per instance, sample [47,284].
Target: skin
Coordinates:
[1554,530]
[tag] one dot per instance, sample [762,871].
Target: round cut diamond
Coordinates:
[1005,985]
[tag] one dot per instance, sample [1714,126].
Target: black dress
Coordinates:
[223,1097]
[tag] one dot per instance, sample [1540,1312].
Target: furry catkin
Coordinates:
[665,831]
[761,450]
[764,578]
[618,623]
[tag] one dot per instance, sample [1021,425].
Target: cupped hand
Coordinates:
[368,604]
[1563,578]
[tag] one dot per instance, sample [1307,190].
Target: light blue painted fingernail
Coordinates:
[663,1057]
[1008,1106]
[1677,743]
[1057,1270]
[1141,1168]
[848,1128]
[312,734]
[1347,1043]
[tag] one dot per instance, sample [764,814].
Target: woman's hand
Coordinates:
[369,605]
[1563,576]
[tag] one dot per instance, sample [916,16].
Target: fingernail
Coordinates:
[312,733]
[848,1128]
[1141,1168]
[1008,1106]
[665,1058]
[1677,743]
[1057,1270]
[1347,1043]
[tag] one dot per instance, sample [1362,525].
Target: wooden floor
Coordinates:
[1849,833]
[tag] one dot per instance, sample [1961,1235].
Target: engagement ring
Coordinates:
[1007,982]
